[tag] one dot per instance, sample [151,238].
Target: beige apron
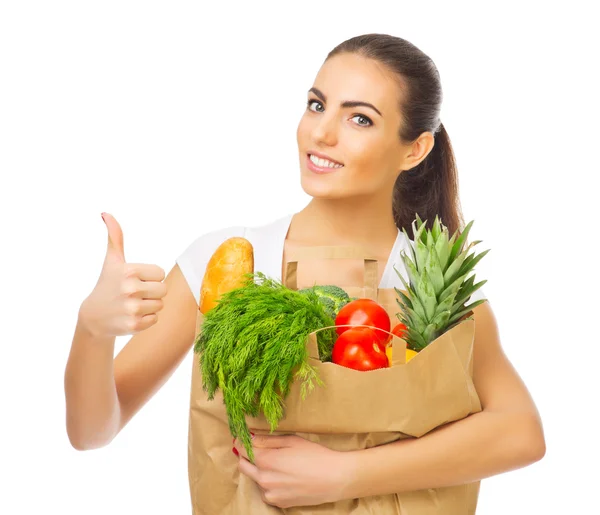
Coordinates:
[434,388]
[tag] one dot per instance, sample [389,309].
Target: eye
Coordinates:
[318,109]
[363,120]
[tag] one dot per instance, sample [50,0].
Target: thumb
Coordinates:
[115,237]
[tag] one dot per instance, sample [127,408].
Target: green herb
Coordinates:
[252,346]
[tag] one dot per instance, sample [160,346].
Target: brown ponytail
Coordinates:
[430,188]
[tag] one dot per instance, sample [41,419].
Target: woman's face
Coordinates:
[359,142]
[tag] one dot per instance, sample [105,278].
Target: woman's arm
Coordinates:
[507,434]
[103,393]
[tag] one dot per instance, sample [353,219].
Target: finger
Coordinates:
[145,272]
[263,496]
[151,290]
[274,441]
[148,307]
[144,323]
[239,449]
[239,446]
[268,498]
[246,468]
[133,287]
[140,307]
[114,247]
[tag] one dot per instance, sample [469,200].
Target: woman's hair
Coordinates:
[431,187]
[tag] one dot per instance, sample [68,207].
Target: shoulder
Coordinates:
[192,261]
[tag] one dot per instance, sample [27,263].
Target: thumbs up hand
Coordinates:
[127,296]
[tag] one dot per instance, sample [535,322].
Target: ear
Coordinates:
[418,150]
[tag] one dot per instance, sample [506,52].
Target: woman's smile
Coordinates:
[320,163]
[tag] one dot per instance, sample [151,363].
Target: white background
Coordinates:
[179,118]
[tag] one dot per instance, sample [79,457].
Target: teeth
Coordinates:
[324,163]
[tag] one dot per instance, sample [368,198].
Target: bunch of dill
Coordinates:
[252,346]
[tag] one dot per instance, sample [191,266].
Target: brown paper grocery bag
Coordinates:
[433,388]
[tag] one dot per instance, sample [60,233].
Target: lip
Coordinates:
[323,156]
[318,169]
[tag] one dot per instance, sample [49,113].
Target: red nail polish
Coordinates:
[235,451]
[252,435]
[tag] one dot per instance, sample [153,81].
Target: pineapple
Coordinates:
[439,288]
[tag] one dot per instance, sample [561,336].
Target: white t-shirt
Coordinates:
[268,242]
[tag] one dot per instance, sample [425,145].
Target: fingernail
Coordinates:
[252,436]
[102,215]
[235,451]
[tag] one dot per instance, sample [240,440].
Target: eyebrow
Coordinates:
[346,103]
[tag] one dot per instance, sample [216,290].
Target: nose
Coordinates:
[325,131]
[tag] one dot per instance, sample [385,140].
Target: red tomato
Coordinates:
[399,330]
[364,312]
[359,348]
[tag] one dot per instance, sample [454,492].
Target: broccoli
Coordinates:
[332,298]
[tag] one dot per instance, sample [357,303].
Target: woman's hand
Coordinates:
[292,471]
[127,297]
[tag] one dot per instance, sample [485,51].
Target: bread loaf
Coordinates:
[225,271]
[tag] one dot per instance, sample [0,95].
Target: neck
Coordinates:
[362,221]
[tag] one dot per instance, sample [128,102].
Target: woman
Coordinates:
[372,154]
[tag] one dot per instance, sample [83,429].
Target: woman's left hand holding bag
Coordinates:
[291,471]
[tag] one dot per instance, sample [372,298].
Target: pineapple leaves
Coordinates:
[411,269]
[430,333]
[421,229]
[417,341]
[468,290]
[446,304]
[438,271]
[471,261]
[422,251]
[434,270]
[415,319]
[426,294]
[410,246]
[453,288]
[442,250]
[458,244]
[405,298]
[429,240]
[436,230]
[454,269]
[413,299]
[468,308]
[441,319]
